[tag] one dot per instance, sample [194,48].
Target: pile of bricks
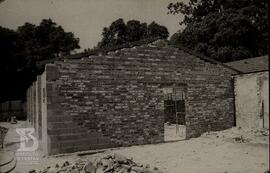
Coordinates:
[112,163]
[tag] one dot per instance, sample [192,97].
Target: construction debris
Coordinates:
[241,139]
[240,135]
[111,163]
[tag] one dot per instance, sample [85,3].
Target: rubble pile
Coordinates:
[111,163]
[240,135]
[241,139]
[261,132]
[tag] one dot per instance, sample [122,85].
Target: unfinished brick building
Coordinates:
[117,99]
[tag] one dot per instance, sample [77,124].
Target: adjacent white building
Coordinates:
[251,90]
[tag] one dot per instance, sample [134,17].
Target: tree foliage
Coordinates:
[47,40]
[225,30]
[24,48]
[120,32]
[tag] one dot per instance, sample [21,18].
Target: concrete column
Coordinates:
[27,104]
[36,107]
[44,119]
[34,104]
[39,121]
[31,105]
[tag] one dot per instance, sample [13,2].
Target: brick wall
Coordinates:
[117,99]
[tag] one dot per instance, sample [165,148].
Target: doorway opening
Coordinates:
[174,113]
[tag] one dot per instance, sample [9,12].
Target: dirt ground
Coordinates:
[230,151]
[171,134]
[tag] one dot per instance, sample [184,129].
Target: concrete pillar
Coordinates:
[31,104]
[28,104]
[39,121]
[34,105]
[44,119]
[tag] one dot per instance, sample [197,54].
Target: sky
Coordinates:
[87,18]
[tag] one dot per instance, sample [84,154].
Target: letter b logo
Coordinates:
[26,135]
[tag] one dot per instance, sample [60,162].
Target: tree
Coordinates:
[115,34]
[24,48]
[8,45]
[10,61]
[136,31]
[120,32]
[155,30]
[48,40]
[225,30]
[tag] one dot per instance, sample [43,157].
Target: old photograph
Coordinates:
[134,86]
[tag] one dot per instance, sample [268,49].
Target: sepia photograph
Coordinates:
[134,86]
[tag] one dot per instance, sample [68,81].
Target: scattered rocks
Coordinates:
[240,135]
[111,163]
[89,167]
[240,139]
[32,171]
[261,132]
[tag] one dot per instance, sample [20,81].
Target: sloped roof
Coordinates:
[251,64]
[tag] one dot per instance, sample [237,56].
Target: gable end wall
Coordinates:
[117,100]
